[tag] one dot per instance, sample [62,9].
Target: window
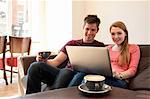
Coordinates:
[59,22]
[51,23]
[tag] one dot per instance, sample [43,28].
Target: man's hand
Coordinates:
[39,58]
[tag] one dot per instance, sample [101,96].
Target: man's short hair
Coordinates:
[92,19]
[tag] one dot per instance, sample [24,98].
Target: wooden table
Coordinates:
[74,93]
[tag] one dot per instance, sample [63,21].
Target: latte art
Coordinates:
[94,78]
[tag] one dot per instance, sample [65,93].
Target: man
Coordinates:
[47,71]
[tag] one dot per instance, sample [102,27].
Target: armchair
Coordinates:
[23,65]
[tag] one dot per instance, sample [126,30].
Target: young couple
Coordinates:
[124,59]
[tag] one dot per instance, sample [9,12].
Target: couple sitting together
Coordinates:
[124,59]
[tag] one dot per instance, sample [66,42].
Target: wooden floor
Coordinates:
[8,91]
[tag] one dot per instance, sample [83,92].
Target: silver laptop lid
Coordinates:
[93,60]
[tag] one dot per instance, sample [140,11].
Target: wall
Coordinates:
[148,22]
[78,11]
[37,14]
[58,23]
[134,13]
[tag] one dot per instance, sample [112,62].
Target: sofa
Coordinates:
[139,83]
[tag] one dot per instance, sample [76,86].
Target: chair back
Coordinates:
[3,41]
[20,44]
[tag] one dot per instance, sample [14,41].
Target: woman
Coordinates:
[124,56]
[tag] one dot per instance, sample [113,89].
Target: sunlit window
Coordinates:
[51,23]
[59,22]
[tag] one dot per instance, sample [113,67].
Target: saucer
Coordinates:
[85,90]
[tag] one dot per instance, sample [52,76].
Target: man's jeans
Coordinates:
[42,72]
[77,79]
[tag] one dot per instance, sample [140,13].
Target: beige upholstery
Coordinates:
[23,65]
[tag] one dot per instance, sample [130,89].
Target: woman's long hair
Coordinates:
[124,57]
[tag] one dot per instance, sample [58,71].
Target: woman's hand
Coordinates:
[117,75]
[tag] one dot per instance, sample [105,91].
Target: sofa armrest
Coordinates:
[23,65]
[25,62]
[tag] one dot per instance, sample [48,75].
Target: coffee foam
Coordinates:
[94,78]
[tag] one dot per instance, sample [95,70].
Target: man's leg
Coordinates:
[63,78]
[77,79]
[40,72]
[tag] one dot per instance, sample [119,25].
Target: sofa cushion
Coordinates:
[145,50]
[143,64]
[142,79]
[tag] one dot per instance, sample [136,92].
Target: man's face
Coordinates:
[90,31]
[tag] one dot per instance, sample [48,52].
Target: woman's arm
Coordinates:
[134,60]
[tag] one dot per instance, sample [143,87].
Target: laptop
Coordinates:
[91,60]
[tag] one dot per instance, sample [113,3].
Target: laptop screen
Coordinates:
[91,60]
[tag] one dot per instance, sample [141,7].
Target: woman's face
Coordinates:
[117,35]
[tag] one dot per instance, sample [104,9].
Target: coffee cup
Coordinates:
[94,82]
[45,54]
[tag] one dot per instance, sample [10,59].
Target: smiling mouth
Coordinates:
[116,40]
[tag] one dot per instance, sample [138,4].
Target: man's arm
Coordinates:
[61,57]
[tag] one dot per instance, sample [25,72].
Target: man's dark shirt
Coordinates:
[80,42]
